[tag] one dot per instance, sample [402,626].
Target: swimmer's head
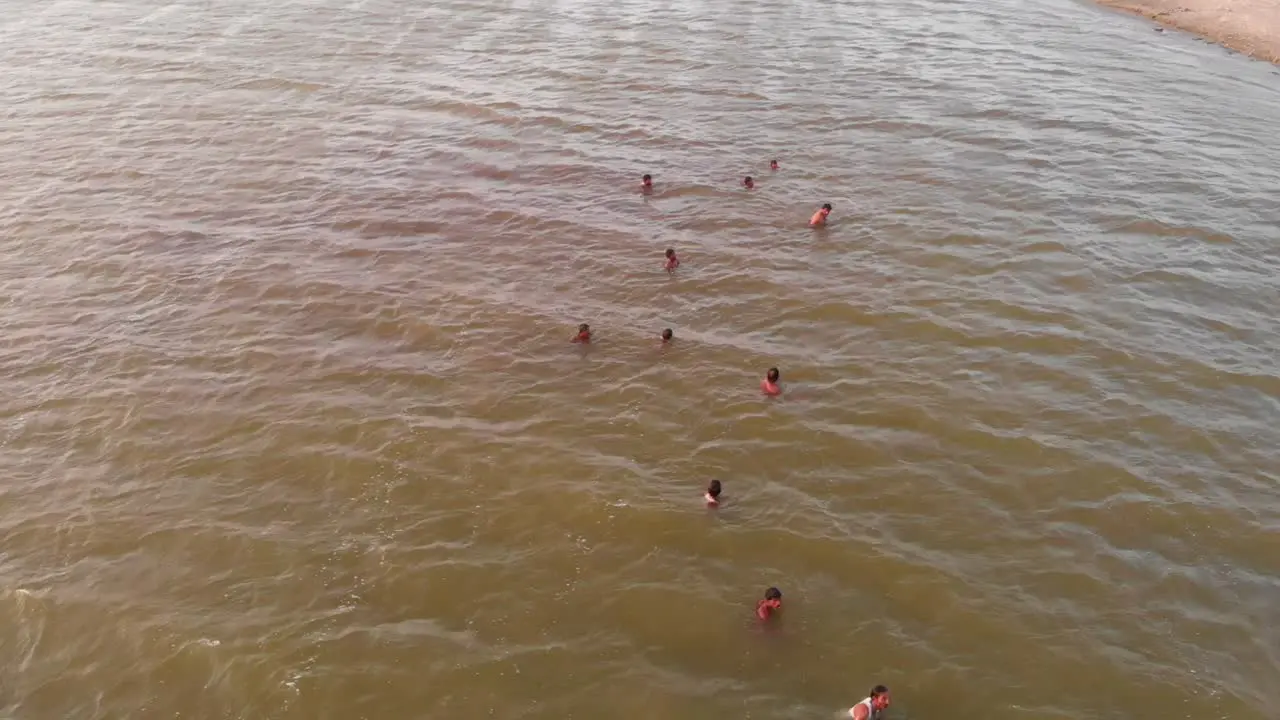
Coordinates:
[826,206]
[647,180]
[671,253]
[747,182]
[773,164]
[773,593]
[584,331]
[880,697]
[667,335]
[713,489]
[773,375]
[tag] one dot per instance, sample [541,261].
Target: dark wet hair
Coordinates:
[826,206]
[714,489]
[584,328]
[671,252]
[747,179]
[647,177]
[667,334]
[879,690]
[773,375]
[773,161]
[773,593]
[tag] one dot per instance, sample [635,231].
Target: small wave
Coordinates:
[278,84]
[372,227]
[1161,229]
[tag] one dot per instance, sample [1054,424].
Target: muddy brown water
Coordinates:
[290,426]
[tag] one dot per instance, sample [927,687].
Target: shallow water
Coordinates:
[292,429]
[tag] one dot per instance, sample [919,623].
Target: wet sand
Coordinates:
[1248,26]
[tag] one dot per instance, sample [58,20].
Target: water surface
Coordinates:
[292,428]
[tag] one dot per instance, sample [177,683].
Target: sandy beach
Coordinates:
[1248,26]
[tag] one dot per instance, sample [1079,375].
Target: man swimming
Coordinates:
[771,603]
[748,183]
[584,334]
[773,164]
[873,706]
[673,262]
[820,218]
[646,183]
[667,336]
[769,385]
[712,495]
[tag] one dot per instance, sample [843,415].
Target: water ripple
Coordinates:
[292,425]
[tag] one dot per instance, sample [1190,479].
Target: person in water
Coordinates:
[773,164]
[646,182]
[712,495]
[769,385]
[820,218]
[748,183]
[771,603]
[667,336]
[673,262]
[873,706]
[584,334]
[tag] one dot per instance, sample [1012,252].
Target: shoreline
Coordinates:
[1251,27]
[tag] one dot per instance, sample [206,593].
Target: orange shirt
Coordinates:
[765,608]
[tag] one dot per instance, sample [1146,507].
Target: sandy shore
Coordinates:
[1248,26]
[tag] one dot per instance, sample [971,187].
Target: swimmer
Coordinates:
[646,182]
[667,336]
[769,385]
[673,262]
[772,601]
[873,706]
[820,218]
[584,334]
[712,495]
[748,183]
[773,164]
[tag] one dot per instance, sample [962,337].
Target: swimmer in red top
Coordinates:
[772,601]
[584,334]
[769,385]
[820,218]
[712,495]
[646,183]
[748,183]
[667,336]
[773,164]
[673,262]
